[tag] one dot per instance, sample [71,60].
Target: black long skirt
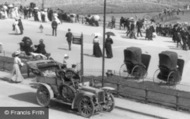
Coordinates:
[108,50]
[96,50]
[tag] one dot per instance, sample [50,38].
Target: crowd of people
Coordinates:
[134,28]
[179,32]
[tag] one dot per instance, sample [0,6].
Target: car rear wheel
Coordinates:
[43,96]
[86,107]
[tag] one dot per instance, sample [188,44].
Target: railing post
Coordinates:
[177,101]
[118,89]
[146,95]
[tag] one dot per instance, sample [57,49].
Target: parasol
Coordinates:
[110,33]
[97,34]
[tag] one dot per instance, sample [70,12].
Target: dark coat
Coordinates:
[20,25]
[108,47]
[54,24]
[40,48]
[69,36]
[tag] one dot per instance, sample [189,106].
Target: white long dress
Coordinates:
[55,15]
[46,17]
[39,16]
[16,73]
[16,27]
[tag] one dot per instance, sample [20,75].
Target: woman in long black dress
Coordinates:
[108,46]
[96,48]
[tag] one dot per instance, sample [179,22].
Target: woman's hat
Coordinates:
[66,56]
[16,53]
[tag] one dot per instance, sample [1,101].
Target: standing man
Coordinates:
[54,28]
[20,25]
[139,26]
[69,36]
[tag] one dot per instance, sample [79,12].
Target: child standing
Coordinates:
[41,28]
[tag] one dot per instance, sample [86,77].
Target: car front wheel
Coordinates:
[43,96]
[86,107]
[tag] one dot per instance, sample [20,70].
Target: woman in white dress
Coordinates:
[16,73]
[46,16]
[16,26]
[39,16]
[55,16]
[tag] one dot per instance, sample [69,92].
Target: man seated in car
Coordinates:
[40,48]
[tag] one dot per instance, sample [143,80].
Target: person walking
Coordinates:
[139,26]
[54,28]
[132,30]
[20,25]
[16,27]
[16,73]
[108,46]
[96,48]
[69,36]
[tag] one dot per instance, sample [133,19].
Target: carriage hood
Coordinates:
[168,59]
[133,54]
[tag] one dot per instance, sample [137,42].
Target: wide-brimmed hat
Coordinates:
[66,56]
[16,53]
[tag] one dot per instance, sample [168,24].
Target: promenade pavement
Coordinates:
[144,111]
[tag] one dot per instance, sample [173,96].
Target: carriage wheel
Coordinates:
[156,75]
[123,72]
[139,72]
[86,107]
[43,96]
[173,78]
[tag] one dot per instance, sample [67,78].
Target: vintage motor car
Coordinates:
[64,85]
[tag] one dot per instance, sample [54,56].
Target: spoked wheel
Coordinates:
[68,93]
[123,72]
[155,77]
[110,103]
[173,78]
[139,72]
[86,107]
[43,96]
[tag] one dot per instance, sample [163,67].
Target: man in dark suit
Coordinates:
[139,25]
[40,48]
[20,25]
[54,28]
[69,36]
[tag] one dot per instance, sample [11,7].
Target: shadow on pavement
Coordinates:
[6,79]
[175,48]
[30,97]
[13,34]
[62,48]
[88,55]
[48,34]
[25,97]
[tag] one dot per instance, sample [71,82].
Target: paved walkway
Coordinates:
[144,110]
